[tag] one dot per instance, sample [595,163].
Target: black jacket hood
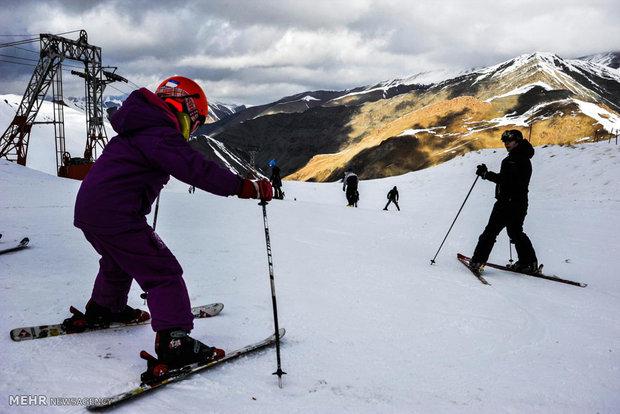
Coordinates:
[524,149]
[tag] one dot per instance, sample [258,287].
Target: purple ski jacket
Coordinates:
[120,188]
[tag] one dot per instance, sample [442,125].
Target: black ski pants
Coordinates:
[511,216]
[352,195]
[391,201]
[277,192]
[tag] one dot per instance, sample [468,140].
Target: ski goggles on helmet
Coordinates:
[187,114]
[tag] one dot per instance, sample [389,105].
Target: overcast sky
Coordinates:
[253,52]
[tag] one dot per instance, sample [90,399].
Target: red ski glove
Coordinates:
[256,189]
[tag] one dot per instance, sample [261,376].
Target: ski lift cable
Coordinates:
[31,40]
[17,57]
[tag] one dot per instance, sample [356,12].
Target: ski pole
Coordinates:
[156,211]
[510,247]
[457,215]
[143,295]
[279,371]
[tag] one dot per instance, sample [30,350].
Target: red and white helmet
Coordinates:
[187,97]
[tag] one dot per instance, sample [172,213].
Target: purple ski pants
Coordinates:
[141,255]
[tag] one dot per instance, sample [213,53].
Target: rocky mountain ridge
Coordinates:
[396,127]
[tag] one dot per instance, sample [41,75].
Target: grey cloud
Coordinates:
[253,52]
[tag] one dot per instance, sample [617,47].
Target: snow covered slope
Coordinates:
[372,327]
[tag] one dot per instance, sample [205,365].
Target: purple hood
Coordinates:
[120,188]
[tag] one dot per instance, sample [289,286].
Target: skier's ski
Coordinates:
[180,374]
[465,261]
[44,331]
[539,274]
[21,245]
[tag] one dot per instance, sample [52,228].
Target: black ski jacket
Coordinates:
[513,179]
[349,182]
[275,178]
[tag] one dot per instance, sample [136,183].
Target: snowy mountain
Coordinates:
[371,326]
[311,99]
[610,59]
[108,101]
[217,110]
[583,80]
[399,126]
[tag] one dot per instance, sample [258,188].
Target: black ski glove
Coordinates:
[481,170]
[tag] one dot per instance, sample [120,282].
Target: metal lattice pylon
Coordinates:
[54,50]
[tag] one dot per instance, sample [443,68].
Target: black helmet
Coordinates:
[512,135]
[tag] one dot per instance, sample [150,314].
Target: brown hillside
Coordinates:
[453,127]
[451,115]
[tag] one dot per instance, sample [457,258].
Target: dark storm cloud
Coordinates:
[253,52]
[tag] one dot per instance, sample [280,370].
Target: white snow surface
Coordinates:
[309,98]
[521,90]
[409,132]
[609,121]
[371,326]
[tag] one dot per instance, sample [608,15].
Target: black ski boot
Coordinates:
[97,316]
[476,267]
[521,267]
[176,349]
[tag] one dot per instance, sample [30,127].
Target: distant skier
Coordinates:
[276,181]
[510,208]
[192,189]
[392,197]
[116,196]
[349,184]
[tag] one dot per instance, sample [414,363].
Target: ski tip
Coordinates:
[461,256]
[20,334]
[24,242]
[207,311]
[75,311]
[147,357]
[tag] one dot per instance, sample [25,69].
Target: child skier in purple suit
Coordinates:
[116,196]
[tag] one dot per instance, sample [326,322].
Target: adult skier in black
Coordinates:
[349,184]
[392,197]
[276,182]
[510,209]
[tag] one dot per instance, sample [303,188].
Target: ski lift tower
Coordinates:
[48,72]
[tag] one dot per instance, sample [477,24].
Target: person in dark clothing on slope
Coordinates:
[117,194]
[349,184]
[392,197]
[510,209]
[276,182]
